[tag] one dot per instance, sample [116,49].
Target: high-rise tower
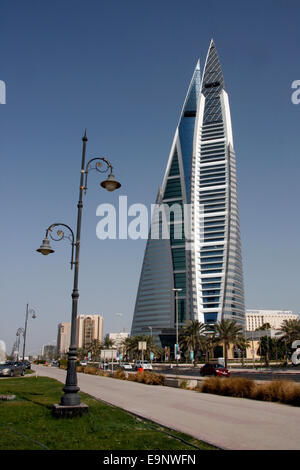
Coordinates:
[200,175]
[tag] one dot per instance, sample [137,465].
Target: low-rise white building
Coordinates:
[256,318]
[118,338]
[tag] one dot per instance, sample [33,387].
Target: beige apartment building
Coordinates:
[63,337]
[89,328]
[256,318]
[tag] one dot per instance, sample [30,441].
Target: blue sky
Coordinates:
[121,70]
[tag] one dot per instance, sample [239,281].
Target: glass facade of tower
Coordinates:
[201,172]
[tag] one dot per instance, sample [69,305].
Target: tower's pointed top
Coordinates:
[192,96]
[212,74]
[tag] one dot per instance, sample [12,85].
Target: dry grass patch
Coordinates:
[91,370]
[148,378]
[153,379]
[120,374]
[233,387]
[132,377]
[103,373]
[281,391]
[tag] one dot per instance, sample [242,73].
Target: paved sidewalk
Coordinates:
[226,422]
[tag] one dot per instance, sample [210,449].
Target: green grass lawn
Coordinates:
[26,423]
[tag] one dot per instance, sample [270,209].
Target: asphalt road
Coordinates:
[265,375]
[226,422]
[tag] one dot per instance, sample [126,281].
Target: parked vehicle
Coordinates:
[216,370]
[11,369]
[21,364]
[145,365]
[126,366]
[113,366]
[27,364]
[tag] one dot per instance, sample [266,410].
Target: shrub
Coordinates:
[104,373]
[211,385]
[80,369]
[63,364]
[120,374]
[183,384]
[132,377]
[140,377]
[233,387]
[91,370]
[157,379]
[239,387]
[148,378]
[282,391]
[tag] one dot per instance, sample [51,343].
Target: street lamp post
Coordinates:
[20,332]
[70,401]
[119,327]
[33,315]
[176,310]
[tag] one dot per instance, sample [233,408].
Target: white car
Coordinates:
[126,366]
[145,365]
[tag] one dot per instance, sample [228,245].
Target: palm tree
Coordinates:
[127,345]
[289,331]
[207,344]
[264,343]
[264,326]
[95,349]
[242,343]
[227,331]
[107,343]
[190,337]
[131,345]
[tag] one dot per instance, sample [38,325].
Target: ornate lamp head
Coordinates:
[111,183]
[45,247]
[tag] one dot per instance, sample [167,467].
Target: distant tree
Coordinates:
[227,331]
[107,343]
[159,353]
[127,345]
[207,344]
[271,348]
[264,326]
[95,349]
[289,331]
[189,338]
[242,343]
[131,346]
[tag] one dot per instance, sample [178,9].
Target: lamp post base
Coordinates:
[63,411]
